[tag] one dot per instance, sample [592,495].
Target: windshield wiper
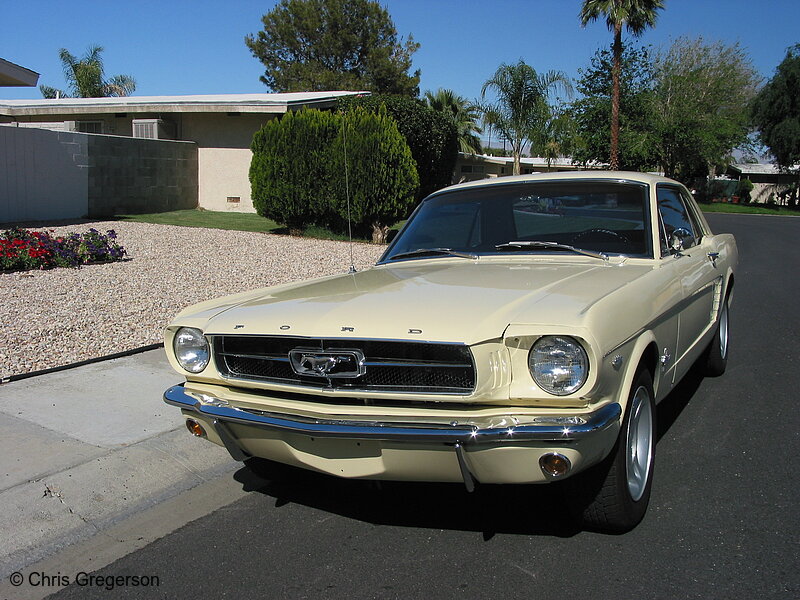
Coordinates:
[522,244]
[423,251]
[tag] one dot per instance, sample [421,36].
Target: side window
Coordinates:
[674,216]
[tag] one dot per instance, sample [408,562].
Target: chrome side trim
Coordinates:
[549,429]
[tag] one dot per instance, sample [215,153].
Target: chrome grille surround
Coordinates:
[389,365]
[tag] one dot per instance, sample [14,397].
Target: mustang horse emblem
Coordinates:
[341,363]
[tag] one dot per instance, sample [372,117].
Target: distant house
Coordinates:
[221,126]
[471,167]
[767,179]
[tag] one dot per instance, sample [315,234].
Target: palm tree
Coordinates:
[523,100]
[460,112]
[636,16]
[555,136]
[85,78]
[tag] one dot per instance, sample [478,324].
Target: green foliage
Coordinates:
[744,189]
[701,105]
[299,179]
[433,139]
[522,104]
[85,78]
[496,151]
[635,16]
[462,113]
[380,173]
[314,45]
[592,112]
[290,169]
[776,111]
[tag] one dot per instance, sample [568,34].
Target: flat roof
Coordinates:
[12,75]
[245,103]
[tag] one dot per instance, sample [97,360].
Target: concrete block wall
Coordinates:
[131,175]
[52,175]
[43,175]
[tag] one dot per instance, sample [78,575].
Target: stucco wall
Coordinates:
[48,175]
[43,175]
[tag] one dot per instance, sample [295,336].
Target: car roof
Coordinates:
[646,178]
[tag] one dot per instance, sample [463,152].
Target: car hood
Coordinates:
[449,300]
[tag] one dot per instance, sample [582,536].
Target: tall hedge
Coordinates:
[298,175]
[381,174]
[290,169]
[433,140]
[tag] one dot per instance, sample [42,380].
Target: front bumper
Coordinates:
[484,454]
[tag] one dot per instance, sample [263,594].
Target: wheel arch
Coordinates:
[644,355]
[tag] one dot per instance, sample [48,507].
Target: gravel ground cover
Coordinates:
[60,316]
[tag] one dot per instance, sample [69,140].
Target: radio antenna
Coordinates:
[347,194]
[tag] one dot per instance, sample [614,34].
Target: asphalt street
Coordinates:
[723,519]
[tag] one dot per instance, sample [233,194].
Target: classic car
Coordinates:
[517,330]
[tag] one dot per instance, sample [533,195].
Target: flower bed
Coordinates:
[23,250]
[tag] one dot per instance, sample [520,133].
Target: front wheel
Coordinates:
[613,496]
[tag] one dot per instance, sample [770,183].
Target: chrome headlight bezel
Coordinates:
[558,364]
[191,349]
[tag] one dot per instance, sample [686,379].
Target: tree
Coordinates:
[432,138]
[373,169]
[636,16]
[776,112]
[523,97]
[290,168]
[317,45]
[462,113]
[555,135]
[592,111]
[701,105]
[85,78]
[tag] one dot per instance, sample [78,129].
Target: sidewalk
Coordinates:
[85,448]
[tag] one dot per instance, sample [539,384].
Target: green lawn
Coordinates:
[752,209]
[234,221]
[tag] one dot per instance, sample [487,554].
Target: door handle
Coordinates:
[713,256]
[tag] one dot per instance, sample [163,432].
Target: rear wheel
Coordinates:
[613,496]
[717,353]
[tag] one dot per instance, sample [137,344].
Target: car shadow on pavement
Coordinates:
[671,407]
[490,509]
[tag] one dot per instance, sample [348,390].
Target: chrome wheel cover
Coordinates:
[639,450]
[723,331]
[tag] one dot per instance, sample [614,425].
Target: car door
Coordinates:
[700,279]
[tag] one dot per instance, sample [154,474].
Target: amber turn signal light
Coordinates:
[195,428]
[555,465]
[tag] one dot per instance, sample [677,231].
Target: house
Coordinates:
[220,126]
[768,181]
[471,167]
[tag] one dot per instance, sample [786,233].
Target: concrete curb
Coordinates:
[88,446]
[44,515]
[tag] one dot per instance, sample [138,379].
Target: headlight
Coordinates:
[191,349]
[559,365]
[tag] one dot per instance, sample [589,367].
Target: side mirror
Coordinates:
[678,239]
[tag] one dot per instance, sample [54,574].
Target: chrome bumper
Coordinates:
[552,429]
[557,429]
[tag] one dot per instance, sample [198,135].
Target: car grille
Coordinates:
[391,366]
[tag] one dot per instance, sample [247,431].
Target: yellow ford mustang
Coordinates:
[517,330]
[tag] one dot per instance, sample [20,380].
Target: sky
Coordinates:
[178,47]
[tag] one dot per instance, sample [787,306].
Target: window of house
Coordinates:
[89,126]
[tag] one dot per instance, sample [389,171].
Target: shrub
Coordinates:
[433,140]
[290,167]
[744,189]
[23,250]
[381,174]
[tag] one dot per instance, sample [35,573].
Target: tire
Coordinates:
[716,356]
[613,496]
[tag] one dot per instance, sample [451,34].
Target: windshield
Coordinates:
[606,217]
